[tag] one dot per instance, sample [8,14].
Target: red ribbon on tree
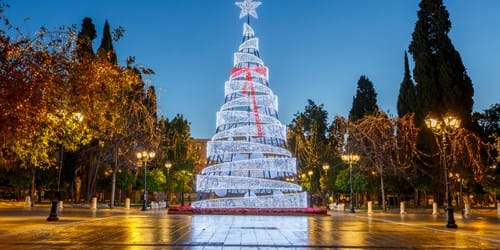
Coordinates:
[248,77]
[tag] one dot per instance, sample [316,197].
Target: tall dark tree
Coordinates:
[442,84]
[85,37]
[150,102]
[442,81]
[407,96]
[106,49]
[365,101]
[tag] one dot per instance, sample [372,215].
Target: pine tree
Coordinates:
[442,81]
[365,101]
[84,40]
[406,98]
[106,49]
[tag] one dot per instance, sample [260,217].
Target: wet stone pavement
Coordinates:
[158,230]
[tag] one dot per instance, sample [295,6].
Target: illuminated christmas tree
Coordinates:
[248,165]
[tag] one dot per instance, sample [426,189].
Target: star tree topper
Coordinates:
[248,8]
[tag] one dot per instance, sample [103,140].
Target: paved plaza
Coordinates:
[121,229]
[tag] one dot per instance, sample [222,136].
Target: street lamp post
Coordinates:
[168,165]
[326,167]
[310,173]
[350,159]
[145,156]
[442,127]
[78,117]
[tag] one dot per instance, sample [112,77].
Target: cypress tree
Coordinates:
[150,102]
[365,101]
[84,39]
[406,98]
[106,49]
[442,81]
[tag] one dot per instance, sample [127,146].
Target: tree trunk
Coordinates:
[113,182]
[89,179]
[384,208]
[33,188]
[94,175]
[417,198]
[426,199]
[78,185]
[119,195]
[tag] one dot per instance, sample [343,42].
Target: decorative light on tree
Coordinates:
[248,163]
[248,8]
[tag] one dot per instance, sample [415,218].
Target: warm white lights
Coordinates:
[447,124]
[145,155]
[350,158]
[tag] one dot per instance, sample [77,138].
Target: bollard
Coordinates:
[27,201]
[435,209]
[127,203]
[467,210]
[93,203]
[402,208]
[60,205]
[370,207]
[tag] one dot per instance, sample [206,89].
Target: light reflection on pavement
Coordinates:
[157,230]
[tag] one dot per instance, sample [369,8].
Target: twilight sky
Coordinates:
[315,49]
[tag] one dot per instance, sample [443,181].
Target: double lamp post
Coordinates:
[442,127]
[350,159]
[145,156]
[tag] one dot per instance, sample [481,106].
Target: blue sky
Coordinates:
[315,49]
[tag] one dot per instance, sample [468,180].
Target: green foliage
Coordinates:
[365,101]
[156,180]
[307,140]
[125,179]
[359,181]
[442,81]
[180,181]
[175,140]
[407,96]
[176,148]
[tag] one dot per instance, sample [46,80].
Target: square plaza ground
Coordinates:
[121,229]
